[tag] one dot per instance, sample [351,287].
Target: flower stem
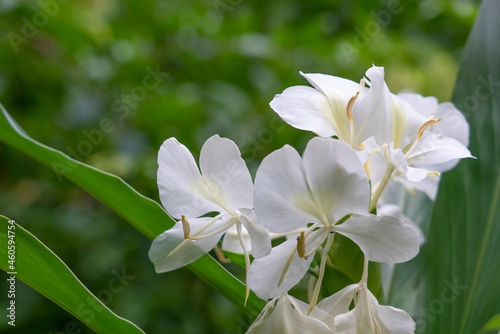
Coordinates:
[364,277]
[381,186]
[247,260]
[314,299]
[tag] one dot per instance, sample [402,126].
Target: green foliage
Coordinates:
[44,271]
[223,69]
[463,239]
[143,213]
[492,325]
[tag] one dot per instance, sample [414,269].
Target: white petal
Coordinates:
[396,211]
[382,239]
[359,320]
[222,166]
[265,273]
[429,185]
[338,92]
[192,250]
[394,320]
[281,316]
[305,108]
[231,241]
[280,185]
[370,317]
[453,123]
[371,109]
[403,125]
[435,149]
[177,172]
[321,315]
[335,88]
[416,174]
[339,302]
[425,106]
[259,236]
[337,180]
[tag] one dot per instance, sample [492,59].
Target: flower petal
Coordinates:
[435,148]
[338,92]
[382,239]
[265,273]
[337,180]
[161,248]
[394,320]
[453,123]
[305,108]
[259,236]
[282,316]
[177,172]
[321,315]
[416,174]
[359,320]
[371,109]
[231,241]
[280,185]
[396,211]
[370,317]
[339,302]
[222,166]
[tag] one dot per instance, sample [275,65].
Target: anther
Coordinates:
[185,227]
[426,125]
[350,105]
[301,246]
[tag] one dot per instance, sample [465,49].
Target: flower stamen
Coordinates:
[185,227]
[301,246]
[322,264]
[432,120]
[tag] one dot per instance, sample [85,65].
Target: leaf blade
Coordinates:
[145,214]
[44,271]
[466,215]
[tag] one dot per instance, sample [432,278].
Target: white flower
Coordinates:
[336,106]
[287,314]
[311,197]
[422,139]
[223,186]
[367,316]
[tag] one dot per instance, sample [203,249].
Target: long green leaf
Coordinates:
[36,265]
[462,254]
[143,213]
[492,325]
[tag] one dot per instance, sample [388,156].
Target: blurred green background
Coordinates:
[77,77]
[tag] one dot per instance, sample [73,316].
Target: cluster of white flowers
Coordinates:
[367,138]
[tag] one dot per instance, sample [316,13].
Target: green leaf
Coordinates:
[492,325]
[236,258]
[404,285]
[462,263]
[37,266]
[143,213]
